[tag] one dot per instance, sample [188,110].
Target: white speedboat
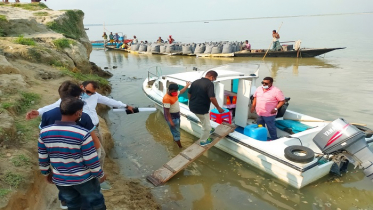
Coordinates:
[268,156]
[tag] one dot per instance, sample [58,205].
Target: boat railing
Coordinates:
[233,67]
[153,76]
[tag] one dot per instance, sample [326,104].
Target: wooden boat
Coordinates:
[302,53]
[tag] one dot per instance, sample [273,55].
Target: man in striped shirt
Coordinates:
[68,158]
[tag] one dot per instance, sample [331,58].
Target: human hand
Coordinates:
[49,178]
[102,179]
[130,108]
[188,84]
[221,110]
[273,111]
[32,114]
[252,109]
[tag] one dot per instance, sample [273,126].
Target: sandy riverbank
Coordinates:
[37,53]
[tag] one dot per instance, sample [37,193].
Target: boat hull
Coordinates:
[303,53]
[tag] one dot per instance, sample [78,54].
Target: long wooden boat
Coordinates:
[302,53]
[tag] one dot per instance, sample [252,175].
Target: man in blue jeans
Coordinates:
[172,110]
[68,158]
[267,100]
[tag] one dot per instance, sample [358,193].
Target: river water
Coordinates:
[337,85]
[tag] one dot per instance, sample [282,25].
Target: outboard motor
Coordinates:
[341,138]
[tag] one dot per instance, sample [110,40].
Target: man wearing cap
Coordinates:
[267,100]
[172,110]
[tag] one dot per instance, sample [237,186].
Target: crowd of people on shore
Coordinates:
[70,147]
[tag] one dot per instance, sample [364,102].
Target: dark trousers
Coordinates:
[270,122]
[87,192]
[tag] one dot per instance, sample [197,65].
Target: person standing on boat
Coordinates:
[111,37]
[160,40]
[201,94]
[170,39]
[105,38]
[172,110]
[276,43]
[267,100]
[135,40]
[116,38]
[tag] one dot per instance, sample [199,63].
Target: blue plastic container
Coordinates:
[256,132]
[247,130]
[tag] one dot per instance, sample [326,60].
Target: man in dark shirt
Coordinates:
[51,116]
[201,93]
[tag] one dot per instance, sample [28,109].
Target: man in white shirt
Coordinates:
[91,98]
[134,40]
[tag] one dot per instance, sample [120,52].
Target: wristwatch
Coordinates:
[276,109]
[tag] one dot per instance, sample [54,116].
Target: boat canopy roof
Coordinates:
[227,72]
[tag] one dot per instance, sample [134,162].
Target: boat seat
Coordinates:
[281,111]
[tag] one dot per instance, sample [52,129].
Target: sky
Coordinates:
[125,11]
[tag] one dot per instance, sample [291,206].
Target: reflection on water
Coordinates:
[216,180]
[273,65]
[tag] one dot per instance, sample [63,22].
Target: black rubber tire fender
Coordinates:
[308,157]
[368,132]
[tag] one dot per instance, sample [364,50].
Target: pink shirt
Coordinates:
[268,100]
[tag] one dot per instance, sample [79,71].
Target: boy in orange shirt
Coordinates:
[172,110]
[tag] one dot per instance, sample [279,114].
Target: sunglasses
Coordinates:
[264,83]
[89,92]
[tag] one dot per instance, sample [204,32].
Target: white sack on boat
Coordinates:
[208,48]
[187,49]
[217,49]
[162,49]
[143,48]
[200,48]
[155,48]
[228,48]
[135,47]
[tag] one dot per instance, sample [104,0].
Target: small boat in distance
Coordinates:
[301,154]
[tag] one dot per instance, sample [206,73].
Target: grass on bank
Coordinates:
[13,179]
[21,104]
[40,13]
[63,43]
[27,129]
[84,77]
[3,18]
[4,192]
[27,100]
[31,6]
[69,27]
[20,160]
[24,41]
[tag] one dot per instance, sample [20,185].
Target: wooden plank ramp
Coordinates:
[187,156]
